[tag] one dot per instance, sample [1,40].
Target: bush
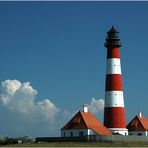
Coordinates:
[7,140]
[25,139]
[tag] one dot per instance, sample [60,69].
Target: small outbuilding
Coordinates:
[138,126]
[82,124]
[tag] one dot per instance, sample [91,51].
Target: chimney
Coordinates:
[140,114]
[85,108]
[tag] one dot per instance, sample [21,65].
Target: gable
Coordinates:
[76,122]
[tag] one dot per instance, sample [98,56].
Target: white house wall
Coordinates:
[76,132]
[140,133]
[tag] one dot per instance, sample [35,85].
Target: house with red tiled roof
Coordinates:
[82,124]
[138,126]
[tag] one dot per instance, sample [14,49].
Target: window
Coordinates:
[139,134]
[81,133]
[71,134]
[130,133]
[64,134]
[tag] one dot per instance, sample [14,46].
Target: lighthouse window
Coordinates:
[115,94]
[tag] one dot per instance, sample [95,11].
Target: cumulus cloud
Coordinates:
[96,105]
[19,105]
[21,97]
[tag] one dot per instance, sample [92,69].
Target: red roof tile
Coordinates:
[87,120]
[144,122]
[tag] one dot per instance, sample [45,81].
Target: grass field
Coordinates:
[82,144]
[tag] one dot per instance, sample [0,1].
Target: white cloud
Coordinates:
[23,114]
[96,106]
[10,86]
[20,97]
[47,109]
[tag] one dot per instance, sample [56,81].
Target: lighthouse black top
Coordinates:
[112,38]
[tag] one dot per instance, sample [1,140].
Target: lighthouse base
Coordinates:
[121,131]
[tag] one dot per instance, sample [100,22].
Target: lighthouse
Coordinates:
[114,112]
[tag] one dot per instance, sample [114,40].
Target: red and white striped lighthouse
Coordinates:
[114,114]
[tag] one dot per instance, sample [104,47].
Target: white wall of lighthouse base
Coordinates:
[122,131]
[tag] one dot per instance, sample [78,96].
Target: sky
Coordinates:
[53,61]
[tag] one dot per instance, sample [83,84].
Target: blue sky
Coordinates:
[59,48]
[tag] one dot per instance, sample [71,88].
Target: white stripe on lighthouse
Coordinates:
[114,99]
[113,66]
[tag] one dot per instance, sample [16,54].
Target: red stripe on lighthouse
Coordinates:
[114,117]
[113,82]
[113,53]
